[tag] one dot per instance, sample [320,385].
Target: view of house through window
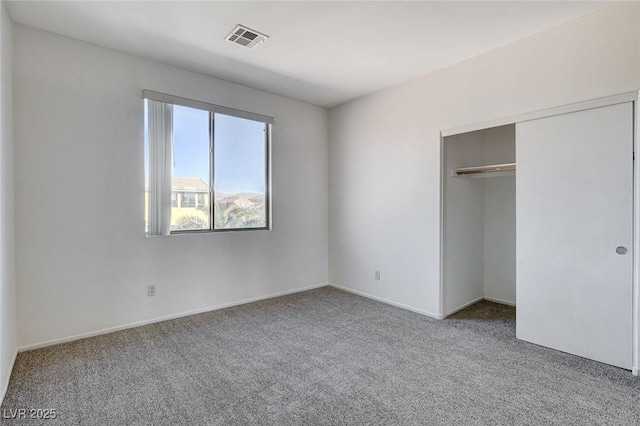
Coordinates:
[218,170]
[190,174]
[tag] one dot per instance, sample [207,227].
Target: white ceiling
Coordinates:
[324,53]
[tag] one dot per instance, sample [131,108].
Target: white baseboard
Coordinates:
[461,307]
[500,301]
[635,371]
[160,319]
[5,385]
[388,302]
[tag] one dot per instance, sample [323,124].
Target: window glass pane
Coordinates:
[190,174]
[188,200]
[239,173]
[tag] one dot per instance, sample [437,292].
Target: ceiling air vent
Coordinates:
[246,37]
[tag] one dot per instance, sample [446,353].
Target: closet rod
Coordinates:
[496,168]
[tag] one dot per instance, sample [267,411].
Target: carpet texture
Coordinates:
[321,357]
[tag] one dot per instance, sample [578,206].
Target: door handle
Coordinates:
[621,250]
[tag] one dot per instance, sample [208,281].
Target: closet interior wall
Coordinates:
[479,239]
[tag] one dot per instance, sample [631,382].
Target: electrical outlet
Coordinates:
[377,276]
[151,290]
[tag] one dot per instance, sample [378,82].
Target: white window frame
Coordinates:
[217,109]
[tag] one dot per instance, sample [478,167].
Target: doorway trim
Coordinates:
[548,112]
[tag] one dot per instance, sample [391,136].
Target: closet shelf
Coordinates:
[493,170]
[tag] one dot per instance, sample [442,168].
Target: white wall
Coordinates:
[463,239]
[83,262]
[500,217]
[7,233]
[385,149]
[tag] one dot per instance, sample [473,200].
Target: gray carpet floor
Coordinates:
[321,357]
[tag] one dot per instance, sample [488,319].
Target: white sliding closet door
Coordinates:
[574,209]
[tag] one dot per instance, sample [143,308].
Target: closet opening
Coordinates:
[479,223]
